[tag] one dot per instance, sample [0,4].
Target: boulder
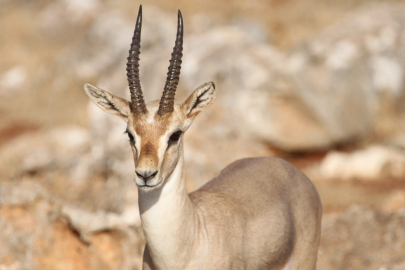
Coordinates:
[39,232]
[361,238]
[73,169]
[375,162]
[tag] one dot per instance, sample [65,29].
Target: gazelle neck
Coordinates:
[168,220]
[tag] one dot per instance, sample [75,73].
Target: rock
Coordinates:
[372,163]
[395,201]
[12,80]
[397,141]
[73,170]
[53,233]
[36,151]
[361,238]
[329,90]
[88,223]
[59,14]
[11,195]
[39,232]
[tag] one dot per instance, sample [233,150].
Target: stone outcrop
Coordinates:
[361,238]
[38,232]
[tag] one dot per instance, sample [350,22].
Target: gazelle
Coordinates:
[258,213]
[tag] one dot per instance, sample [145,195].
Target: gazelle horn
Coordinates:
[137,102]
[167,100]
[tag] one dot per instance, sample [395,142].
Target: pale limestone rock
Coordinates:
[361,238]
[38,231]
[12,81]
[372,163]
[395,201]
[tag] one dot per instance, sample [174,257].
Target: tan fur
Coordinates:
[258,213]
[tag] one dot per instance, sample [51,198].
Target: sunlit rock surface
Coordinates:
[361,238]
[40,232]
[373,163]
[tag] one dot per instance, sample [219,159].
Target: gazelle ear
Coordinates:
[199,100]
[107,101]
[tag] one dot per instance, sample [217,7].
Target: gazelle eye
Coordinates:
[131,138]
[175,136]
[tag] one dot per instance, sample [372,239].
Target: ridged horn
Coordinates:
[167,100]
[137,102]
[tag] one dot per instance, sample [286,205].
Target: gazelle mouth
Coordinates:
[148,187]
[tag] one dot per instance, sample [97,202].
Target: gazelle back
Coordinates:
[258,213]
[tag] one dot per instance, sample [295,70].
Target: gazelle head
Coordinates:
[155,129]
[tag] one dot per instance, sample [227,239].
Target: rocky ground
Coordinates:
[320,89]
[38,231]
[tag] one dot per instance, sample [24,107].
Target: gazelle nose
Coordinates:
[146,175]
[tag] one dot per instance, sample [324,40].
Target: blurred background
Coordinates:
[319,83]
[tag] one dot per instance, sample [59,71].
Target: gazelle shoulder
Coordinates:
[274,166]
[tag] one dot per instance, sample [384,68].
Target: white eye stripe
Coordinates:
[138,144]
